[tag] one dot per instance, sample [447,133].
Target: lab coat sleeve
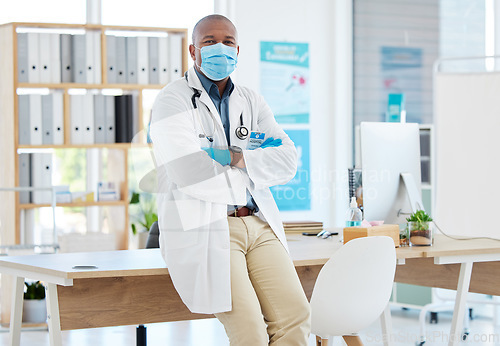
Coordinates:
[273,165]
[178,154]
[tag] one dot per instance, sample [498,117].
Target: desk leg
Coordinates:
[460,303]
[53,319]
[386,322]
[16,314]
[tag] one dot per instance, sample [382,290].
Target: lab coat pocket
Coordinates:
[193,213]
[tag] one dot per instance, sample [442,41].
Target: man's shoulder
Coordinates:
[176,86]
[247,92]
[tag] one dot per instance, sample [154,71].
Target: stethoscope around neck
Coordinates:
[241,131]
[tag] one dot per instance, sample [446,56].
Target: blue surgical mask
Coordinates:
[218,61]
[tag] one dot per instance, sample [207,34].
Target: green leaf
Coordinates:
[134,229]
[135,199]
[34,290]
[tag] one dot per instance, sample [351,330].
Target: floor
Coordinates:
[211,333]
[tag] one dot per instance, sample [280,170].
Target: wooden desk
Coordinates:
[133,287]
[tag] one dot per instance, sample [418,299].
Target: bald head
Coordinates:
[207,23]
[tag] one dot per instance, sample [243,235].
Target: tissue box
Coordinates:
[392,231]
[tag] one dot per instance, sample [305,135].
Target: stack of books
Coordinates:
[302,226]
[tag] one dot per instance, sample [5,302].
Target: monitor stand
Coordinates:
[413,191]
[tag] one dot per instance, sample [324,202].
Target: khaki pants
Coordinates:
[269,304]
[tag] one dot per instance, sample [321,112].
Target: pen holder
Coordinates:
[421,233]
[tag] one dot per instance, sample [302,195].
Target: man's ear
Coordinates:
[192,51]
[238,50]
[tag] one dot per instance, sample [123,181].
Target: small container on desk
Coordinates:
[421,233]
[392,231]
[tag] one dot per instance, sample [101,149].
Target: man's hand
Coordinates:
[222,156]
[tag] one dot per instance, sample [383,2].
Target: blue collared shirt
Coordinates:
[221,103]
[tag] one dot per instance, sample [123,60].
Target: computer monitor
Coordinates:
[390,163]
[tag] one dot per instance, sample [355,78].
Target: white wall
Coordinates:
[327,27]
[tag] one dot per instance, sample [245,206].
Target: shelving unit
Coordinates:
[9,112]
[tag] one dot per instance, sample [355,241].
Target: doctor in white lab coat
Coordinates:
[197,188]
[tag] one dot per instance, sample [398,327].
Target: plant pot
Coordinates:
[34,311]
[421,233]
[142,239]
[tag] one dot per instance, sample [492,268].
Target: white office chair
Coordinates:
[353,289]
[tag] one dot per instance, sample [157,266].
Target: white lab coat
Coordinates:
[194,190]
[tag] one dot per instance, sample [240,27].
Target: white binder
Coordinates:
[97,57]
[131,60]
[24,120]
[76,119]
[89,57]
[44,53]
[41,171]
[24,177]
[58,122]
[22,58]
[55,58]
[100,118]
[36,120]
[88,119]
[111,58]
[66,64]
[121,60]
[142,60]
[79,58]
[175,50]
[47,120]
[33,58]
[154,77]
[163,60]
[110,119]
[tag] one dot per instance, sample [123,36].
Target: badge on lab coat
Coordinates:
[256,139]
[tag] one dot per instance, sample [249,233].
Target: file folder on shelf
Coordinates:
[163,60]
[24,120]
[121,119]
[88,119]
[154,76]
[131,60]
[36,137]
[24,177]
[121,60]
[55,58]
[175,50]
[111,58]
[41,165]
[100,119]
[47,120]
[76,119]
[66,64]
[44,47]
[78,58]
[58,118]
[97,57]
[110,119]
[33,58]
[89,58]
[22,58]
[142,60]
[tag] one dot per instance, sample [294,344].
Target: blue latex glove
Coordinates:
[271,142]
[222,156]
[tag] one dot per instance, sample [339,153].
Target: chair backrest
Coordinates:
[353,287]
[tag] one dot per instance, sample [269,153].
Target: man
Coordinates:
[221,234]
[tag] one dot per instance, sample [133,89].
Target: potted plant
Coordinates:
[144,216]
[420,228]
[34,307]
